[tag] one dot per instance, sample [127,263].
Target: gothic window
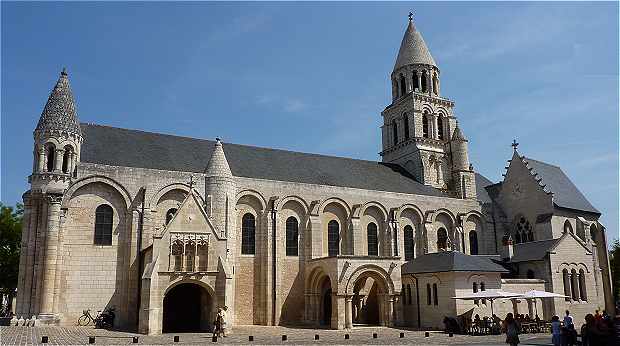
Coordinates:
[292,235]
[406,126]
[425,125]
[428,294]
[409,293]
[530,274]
[524,231]
[582,285]
[416,86]
[566,281]
[248,234]
[403,85]
[395,132]
[473,242]
[442,239]
[333,238]
[409,243]
[435,297]
[170,214]
[373,239]
[574,282]
[424,82]
[440,128]
[103,225]
[51,157]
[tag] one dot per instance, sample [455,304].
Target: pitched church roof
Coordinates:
[565,193]
[133,148]
[59,113]
[451,261]
[481,183]
[533,250]
[413,49]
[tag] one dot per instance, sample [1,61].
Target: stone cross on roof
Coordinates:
[514,144]
[410,16]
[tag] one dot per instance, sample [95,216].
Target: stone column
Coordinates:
[429,81]
[46,313]
[357,236]
[316,237]
[58,160]
[386,229]
[419,74]
[41,161]
[390,312]
[349,312]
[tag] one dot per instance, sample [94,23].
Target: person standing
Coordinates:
[568,333]
[511,328]
[224,320]
[556,331]
[217,324]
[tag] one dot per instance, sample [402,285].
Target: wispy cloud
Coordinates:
[598,160]
[282,103]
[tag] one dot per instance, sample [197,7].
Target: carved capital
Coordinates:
[53,198]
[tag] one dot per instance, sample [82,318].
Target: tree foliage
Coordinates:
[10,238]
[614,262]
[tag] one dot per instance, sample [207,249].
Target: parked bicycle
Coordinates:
[103,319]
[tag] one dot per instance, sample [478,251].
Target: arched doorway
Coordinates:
[372,301]
[365,302]
[187,308]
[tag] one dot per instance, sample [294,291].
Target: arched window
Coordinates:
[170,214]
[525,229]
[574,284]
[568,228]
[530,274]
[104,215]
[435,84]
[395,132]
[473,242]
[582,285]
[406,126]
[428,294]
[442,239]
[248,234]
[292,235]
[373,239]
[424,81]
[425,125]
[66,159]
[435,297]
[403,85]
[593,233]
[566,281]
[439,127]
[409,293]
[333,238]
[409,243]
[51,157]
[416,85]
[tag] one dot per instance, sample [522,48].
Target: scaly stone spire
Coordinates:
[413,49]
[458,134]
[218,165]
[59,113]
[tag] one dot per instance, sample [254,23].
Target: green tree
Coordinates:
[10,238]
[614,262]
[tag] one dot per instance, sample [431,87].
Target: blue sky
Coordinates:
[314,77]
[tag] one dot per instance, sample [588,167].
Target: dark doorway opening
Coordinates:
[187,308]
[326,317]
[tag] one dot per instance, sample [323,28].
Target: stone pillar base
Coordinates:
[48,319]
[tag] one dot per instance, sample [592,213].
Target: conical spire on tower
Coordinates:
[413,49]
[59,113]
[218,165]
[458,134]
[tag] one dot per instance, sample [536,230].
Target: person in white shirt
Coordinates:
[224,318]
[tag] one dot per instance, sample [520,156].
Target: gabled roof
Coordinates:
[481,183]
[133,148]
[59,113]
[565,193]
[533,251]
[413,49]
[451,261]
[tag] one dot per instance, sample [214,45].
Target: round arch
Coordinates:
[304,206]
[448,213]
[96,179]
[337,201]
[374,271]
[411,207]
[154,200]
[188,306]
[253,193]
[376,205]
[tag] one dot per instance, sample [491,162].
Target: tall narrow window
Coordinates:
[582,285]
[395,132]
[409,293]
[373,239]
[104,215]
[439,127]
[65,160]
[442,239]
[416,85]
[51,158]
[409,243]
[333,238]
[473,242]
[435,297]
[566,281]
[170,214]
[425,125]
[403,85]
[292,235]
[428,294]
[574,284]
[395,243]
[406,126]
[248,234]
[424,82]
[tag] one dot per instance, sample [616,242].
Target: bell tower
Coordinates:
[418,126]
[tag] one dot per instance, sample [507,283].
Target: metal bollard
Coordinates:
[176,338]
[402,335]
[451,335]
[135,339]
[346,336]
[91,339]
[427,334]
[284,337]
[214,338]
[251,338]
[316,336]
[44,339]
[374,335]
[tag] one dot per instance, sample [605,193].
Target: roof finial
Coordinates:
[514,144]
[64,71]
[410,16]
[218,139]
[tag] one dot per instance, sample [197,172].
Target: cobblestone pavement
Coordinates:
[262,335]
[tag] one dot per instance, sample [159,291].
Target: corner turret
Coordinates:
[220,191]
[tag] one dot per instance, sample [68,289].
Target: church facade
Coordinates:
[166,229]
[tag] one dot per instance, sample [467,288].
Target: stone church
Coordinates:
[166,229]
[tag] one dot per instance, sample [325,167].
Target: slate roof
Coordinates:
[133,148]
[413,49]
[59,113]
[565,193]
[532,251]
[481,183]
[451,261]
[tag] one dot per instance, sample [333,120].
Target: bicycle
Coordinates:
[103,319]
[87,318]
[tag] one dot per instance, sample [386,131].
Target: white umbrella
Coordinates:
[533,294]
[490,295]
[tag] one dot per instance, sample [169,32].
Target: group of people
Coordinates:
[219,325]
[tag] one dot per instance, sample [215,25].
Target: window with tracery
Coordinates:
[523,231]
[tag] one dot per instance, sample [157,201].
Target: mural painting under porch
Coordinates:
[188,255]
[345,289]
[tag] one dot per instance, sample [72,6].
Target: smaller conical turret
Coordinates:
[460,156]
[413,49]
[220,191]
[59,113]
[218,165]
[458,134]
